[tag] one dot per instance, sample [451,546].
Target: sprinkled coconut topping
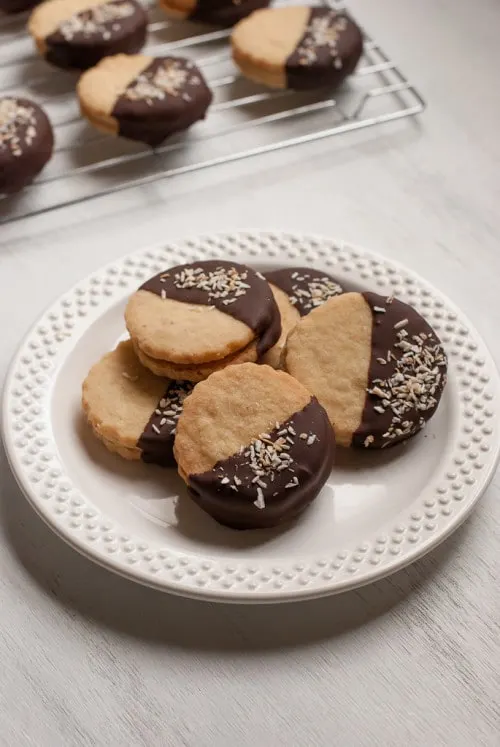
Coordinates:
[17,125]
[310,291]
[323,31]
[94,20]
[169,78]
[418,376]
[226,283]
[170,407]
[267,455]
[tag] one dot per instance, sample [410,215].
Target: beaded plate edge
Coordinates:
[466,468]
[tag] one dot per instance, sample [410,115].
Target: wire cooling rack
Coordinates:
[244,120]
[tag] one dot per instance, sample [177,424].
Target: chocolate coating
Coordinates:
[85,38]
[26,143]
[17,6]
[157,439]
[255,307]
[305,287]
[287,492]
[415,382]
[327,53]
[167,97]
[225,12]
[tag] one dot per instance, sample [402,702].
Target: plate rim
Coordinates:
[205,591]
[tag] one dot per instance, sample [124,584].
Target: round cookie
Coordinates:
[143,98]
[297,47]
[218,12]
[79,33]
[374,363]
[254,447]
[133,412]
[297,291]
[289,318]
[196,372]
[202,316]
[305,287]
[26,142]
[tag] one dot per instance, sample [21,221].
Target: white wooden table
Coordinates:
[90,659]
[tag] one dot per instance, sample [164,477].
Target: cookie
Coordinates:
[202,316]
[254,447]
[297,47]
[196,372]
[218,12]
[79,33]
[305,288]
[374,363]
[143,98]
[133,412]
[297,291]
[26,142]
[289,318]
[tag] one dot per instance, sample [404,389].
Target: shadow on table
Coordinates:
[83,589]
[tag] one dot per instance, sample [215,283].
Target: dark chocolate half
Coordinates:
[246,492]
[115,27]
[306,288]
[235,289]
[327,53]
[406,377]
[167,97]
[157,439]
[26,142]
[225,12]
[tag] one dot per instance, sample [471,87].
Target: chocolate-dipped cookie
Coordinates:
[218,12]
[79,33]
[254,447]
[374,363]
[297,47]
[143,98]
[297,290]
[197,318]
[305,287]
[26,142]
[289,317]
[133,412]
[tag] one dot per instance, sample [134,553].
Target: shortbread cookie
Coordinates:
[305,288]
[79,33]
[289,318]
[374,363]
[218,12]
[254,447]
[297,47]
[26,142]
[203,313]
[133,412]
[143,98]
[199,371]
[297,291]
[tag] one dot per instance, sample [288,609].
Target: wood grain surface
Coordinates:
[90,659]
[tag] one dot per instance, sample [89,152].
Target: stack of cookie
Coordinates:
[253,444]
[193,320]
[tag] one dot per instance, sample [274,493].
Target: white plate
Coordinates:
[378,512]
